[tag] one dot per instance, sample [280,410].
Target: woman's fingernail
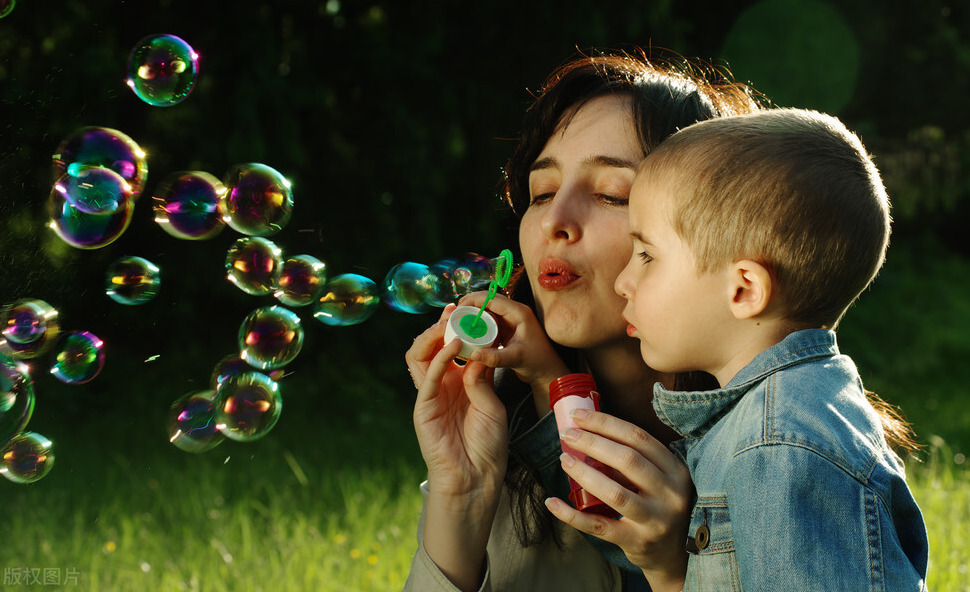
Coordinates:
[567,460]
[579,414]
[569,434]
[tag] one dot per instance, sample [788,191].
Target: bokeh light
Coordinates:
[406,287]
[162,70]
[16,398]
[27,458]
[94,146]
[132,280]
[191,422]
[189,205]
[78,357]
[94,190]
[247,406]
[259,200]
[254,264]
[301,280]
[270,337]
[348,299]
[30,327]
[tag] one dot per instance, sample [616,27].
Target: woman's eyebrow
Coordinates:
[599,160]
[544,163]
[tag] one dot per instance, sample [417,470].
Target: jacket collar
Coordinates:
[692,413]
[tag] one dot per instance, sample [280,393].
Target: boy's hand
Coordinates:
[526,349]
[655,504]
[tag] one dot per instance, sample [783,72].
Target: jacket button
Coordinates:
[702,537]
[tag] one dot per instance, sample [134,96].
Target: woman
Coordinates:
[568,180]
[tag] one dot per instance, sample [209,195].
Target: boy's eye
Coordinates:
[644,257]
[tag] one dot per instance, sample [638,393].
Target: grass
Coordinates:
[329,500]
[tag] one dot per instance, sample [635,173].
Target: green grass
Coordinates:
[329,500]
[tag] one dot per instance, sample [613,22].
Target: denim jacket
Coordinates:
[796,487]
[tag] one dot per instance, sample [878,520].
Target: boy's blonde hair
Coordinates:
[792,189]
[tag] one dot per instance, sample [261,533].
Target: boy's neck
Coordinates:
[744,345]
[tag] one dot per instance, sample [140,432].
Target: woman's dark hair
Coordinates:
[667,94]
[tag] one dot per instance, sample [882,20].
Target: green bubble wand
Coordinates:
[474,327]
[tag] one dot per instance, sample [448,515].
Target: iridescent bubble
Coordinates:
[247,406]
[191,422]
[348,299]
[259,200]
[254,265]
[189,205]
[132,280]
[6,7]
[406,287]
[102,147]
[94,190]
[87,231]
[229,366]
[16,398]
[474,273]
[270,337]
[162,70]
[302,278]
[30,327]
[78,357]
[441,282]
[27,458]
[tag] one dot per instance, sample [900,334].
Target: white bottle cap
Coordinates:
[469,343]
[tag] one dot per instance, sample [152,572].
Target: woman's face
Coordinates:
[575,235]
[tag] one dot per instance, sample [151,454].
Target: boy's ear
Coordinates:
[751,289]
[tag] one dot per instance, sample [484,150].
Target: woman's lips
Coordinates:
[555,274]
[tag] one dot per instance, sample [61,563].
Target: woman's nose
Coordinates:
[562,220]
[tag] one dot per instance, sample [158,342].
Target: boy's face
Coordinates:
[674,311]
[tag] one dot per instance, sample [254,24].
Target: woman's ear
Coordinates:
[751,289]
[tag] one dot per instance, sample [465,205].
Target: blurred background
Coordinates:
[392,120]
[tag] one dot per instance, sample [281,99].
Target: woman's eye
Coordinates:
[542,197]
[612,200]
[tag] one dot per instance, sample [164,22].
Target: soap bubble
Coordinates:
[78,357]
[302,278]
[162,70]
[30,327]
[102,147]
[27,458]
[348,299]
[229,366]
[254,265]
[259,201]
[270,337]
[441,282]
[406,287]
[87,231]
[188,205]
[16,398]
[132,280]
[6,7]
[94,190]
[192,424]
[247,406]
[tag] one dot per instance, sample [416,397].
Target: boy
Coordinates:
[752,236]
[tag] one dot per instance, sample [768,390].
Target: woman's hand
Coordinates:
[463,434]
[654,501]
[526,349]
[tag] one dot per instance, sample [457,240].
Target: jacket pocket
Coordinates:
[713,564]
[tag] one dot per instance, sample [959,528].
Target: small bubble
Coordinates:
[132,280]
[27,458]
[254,264]
[162,70]
[258,201]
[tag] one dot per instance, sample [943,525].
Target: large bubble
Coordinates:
[191,422]
[406,287]
[441,282]
[29,326]
[102,147]
[94,190]
[247,406]
[259,200]
[78,357]
[254,264]
[348,299]
[16,398]
[301,280]
[87,231]
[132,280]
[162,70]
[27,458]
[189,205]
[474,273]
[270,337]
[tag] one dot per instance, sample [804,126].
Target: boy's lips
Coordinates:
[555,274]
